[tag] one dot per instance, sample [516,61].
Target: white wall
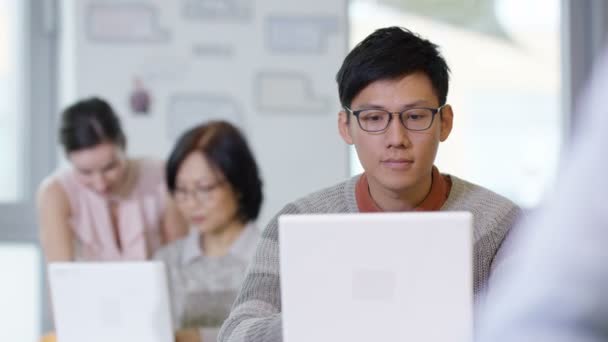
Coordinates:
[267,65]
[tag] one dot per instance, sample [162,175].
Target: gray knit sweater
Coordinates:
[256,314]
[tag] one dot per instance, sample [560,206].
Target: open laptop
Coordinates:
[118,302]
[377,277]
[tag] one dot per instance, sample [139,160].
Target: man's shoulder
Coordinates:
[467,194]
[337,198]
[493,213]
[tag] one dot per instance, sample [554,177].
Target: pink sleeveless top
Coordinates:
[139,216]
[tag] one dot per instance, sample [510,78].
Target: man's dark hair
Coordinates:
[391,53]
[90,122]
[225,148]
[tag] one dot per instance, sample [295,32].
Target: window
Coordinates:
[27,154]
[12,36]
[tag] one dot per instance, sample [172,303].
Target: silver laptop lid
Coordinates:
[119,302]
[377,277]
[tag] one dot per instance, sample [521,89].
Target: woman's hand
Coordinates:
[188,335]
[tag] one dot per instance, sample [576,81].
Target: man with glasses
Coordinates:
[393,88]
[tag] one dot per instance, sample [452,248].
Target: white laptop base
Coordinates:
[377,277]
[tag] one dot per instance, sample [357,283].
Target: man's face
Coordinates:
[397,160]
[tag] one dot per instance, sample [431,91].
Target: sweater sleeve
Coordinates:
[256,313]
[505,256]
[504,240]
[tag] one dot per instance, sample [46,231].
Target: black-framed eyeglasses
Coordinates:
[378,120]
[200,193]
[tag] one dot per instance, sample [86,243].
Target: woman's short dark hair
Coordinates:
[225,148]
[390,53]
[90,122]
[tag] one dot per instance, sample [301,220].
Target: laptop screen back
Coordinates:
[377,277]
[119,302]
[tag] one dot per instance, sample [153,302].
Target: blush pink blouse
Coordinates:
[139,216]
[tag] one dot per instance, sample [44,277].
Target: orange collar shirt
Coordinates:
[440,189]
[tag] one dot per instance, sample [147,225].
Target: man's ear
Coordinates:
[344,126]
[447,119]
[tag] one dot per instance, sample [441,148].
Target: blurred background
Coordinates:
[269,67]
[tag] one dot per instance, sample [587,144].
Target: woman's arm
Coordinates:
[53,220]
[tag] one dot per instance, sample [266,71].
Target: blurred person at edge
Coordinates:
[556,288]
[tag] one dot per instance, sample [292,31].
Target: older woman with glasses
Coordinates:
[214,180]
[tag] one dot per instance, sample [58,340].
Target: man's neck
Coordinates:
[402,200]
